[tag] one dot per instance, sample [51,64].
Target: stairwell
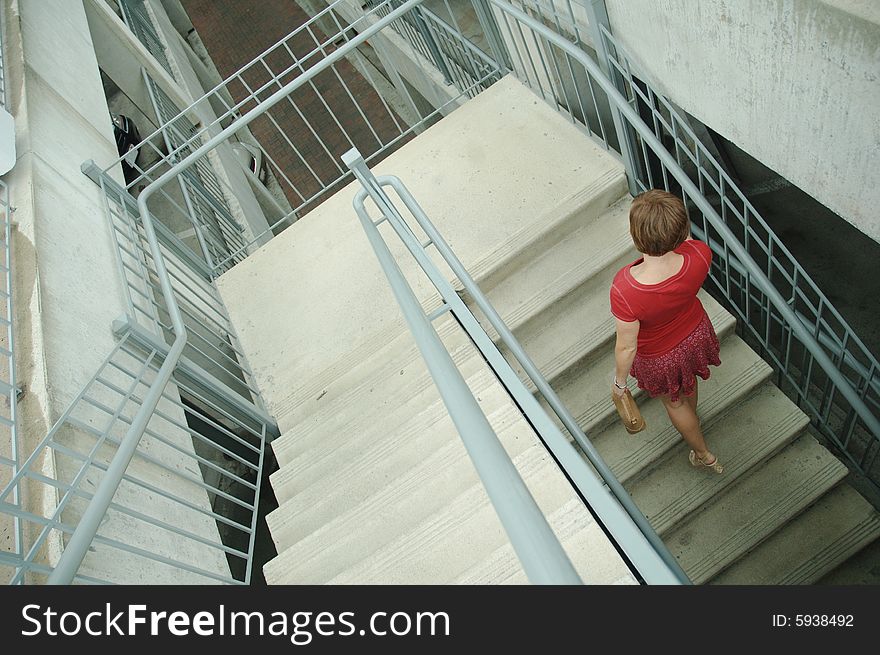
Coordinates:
[374,485]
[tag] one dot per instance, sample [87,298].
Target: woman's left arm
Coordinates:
[624,352]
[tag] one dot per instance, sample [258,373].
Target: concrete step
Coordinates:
[812,545]
[390,385]
[328,458]
[748,433]
[582,539]
[579,322]
[325,457]
[552,274]
[403,503]
[752,510]
[863,568]
[397,369]
[729,386]
[467,530]
[555,225]
[305,504]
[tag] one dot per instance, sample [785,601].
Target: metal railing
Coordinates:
[532,538]
[212,345]
[268,99]
[818,358]
[461,63]
[310,109]
[11,453]
[137,17]
[179,513]
[155,468]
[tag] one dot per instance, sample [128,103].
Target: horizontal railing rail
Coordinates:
[617,512]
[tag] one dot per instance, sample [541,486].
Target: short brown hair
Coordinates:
[658,222]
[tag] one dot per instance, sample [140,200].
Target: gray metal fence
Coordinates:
[197,465]
[202,200]
[442,43]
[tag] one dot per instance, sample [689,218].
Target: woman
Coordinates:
[664,337]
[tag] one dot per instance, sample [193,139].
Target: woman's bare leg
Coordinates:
[684,418]
[692,399]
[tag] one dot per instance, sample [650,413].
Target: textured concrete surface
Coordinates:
[466,170]
[793,83]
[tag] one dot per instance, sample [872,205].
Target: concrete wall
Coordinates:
[795,83]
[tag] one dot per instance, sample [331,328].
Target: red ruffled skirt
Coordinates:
[674,372]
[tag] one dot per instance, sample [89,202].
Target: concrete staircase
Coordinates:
[373,483]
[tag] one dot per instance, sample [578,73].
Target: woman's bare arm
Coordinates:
[624,351]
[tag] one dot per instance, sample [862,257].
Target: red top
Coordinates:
[669,310]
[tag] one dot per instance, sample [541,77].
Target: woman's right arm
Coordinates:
[624,353]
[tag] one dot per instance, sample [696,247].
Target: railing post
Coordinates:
[492,34]
[597,15]
[431,44]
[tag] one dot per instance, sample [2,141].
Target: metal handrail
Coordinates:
[542,556]
[624,109]
[638,542]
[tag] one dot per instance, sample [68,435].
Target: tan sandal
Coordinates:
[697,462]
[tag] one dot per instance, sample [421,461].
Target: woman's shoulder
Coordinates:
[696,246]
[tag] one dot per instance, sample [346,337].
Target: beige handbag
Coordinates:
[629,412]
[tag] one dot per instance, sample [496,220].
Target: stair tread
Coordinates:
[467,530]
[374,473]
[377,386]
[557,223]
[835,527]
[863,568]
[581,537]
[397,507]
[744,436]
[754,508]
[562,268]
[332,456]
[431,550]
